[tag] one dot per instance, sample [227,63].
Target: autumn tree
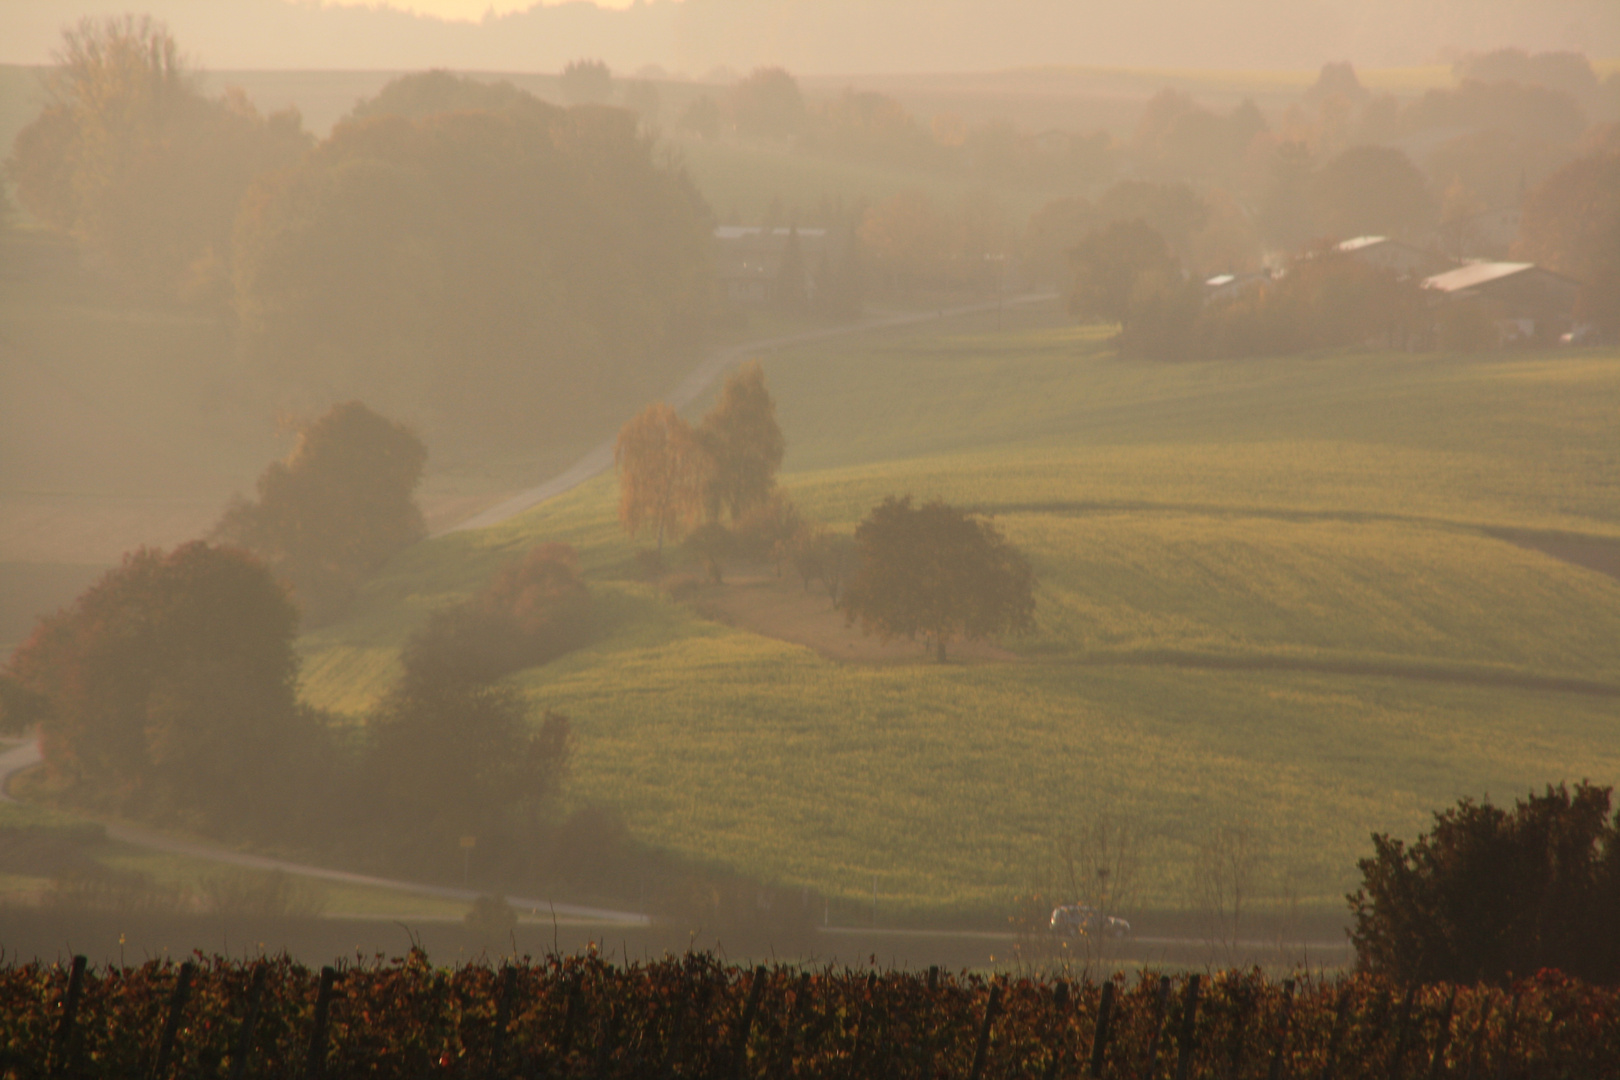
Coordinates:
[145,172]
[535,608]
[338,507]
[502,273]
[663,471]
[767,103]
[1372,190]
[168,690]
[937,572]
[1491,892]
[1110,262]
[586,81]
[1572,225]
[744,444]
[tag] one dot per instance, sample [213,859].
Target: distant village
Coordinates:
[759,266]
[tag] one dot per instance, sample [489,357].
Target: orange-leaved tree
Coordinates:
[662,472]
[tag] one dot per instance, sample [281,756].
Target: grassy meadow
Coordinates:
[1272,594]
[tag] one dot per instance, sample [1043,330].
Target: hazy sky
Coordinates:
[475,9]
[833,37]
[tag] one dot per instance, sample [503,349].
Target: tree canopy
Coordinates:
[503,274]
[937,572]
[744,444]
[1372,190]
[131,159]
[767,103]
[339,506]
[1572,224]
[662,473]
[1110,262]
[168,687]
[1492,892]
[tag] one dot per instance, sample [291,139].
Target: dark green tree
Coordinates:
[1492,892]
[744,443]
[767,103]
[937,572]
[339,506]
[587,82]
[792,279]
[1110,262]
[1372,190]
[450,759]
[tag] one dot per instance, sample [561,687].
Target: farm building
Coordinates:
[759,266]
[1525,301]
[1393,255]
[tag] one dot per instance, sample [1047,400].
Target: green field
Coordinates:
[1271,594]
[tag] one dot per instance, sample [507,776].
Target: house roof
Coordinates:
[1362,242]
[749,232]
[1474,275]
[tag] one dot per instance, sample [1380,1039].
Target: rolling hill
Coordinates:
[1309,597]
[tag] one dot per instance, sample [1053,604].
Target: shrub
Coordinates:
[534,610]
[1491,892]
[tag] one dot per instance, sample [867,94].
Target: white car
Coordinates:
[1078,920]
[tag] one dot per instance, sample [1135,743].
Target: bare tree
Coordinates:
[1099,865]
[1223,883]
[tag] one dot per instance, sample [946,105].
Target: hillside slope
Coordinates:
[1273,594]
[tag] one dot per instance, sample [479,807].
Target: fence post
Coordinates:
[930,1046]
[570,1018]
[1099,1038]
[1060,1005]
[1507,1037]
[315,1061]
[171,1023]
[739,1050]
[1478,1047]
[1442,1040]
[1161,1007]
[1337,1035]
[981,1049]
[70,1012]
[244,1035]
[1403,1032]
[503,1018]
[1286,1016]
[790,1033]
[1189,1031]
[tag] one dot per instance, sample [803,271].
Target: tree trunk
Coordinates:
[939,648]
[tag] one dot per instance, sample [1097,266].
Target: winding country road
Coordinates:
[27,754]
[600,458]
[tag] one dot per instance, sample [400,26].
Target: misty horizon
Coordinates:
[841,38]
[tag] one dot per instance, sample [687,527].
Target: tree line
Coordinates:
[462,253]
[935,572]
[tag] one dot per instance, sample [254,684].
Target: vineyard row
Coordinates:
[692,1016]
